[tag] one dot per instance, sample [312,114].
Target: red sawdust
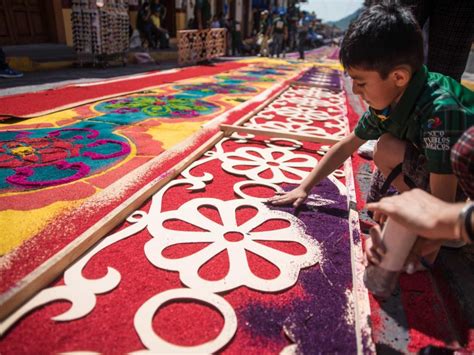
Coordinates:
[50,99]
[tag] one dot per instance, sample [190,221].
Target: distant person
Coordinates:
[263,33]
[202,14]
[159,9]
[279,33]
[145,26]
[158,14]
[222,20]
[5,70]
[302,28]
[215,22]
[236,37]
[293,17]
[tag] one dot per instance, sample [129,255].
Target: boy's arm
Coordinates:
[330,162]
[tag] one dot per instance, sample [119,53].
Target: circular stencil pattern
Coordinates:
[171,106]
[55,157]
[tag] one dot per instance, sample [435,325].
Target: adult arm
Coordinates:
[422,213]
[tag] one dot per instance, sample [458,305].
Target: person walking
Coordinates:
[302,28]
[279,33]
[263,34]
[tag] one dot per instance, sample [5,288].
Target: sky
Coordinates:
[332,10]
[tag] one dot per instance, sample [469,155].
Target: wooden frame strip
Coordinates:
[301,83]
[229,129]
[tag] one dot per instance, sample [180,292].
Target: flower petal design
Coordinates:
[263,159]
[240,273]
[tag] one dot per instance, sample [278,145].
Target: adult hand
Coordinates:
[420,212]
[295,197]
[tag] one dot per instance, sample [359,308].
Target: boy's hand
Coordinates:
[295,197]
[374,248]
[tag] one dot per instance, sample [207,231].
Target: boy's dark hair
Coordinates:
[383,36]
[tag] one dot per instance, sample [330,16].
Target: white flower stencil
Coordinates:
[217,235]
[255,163]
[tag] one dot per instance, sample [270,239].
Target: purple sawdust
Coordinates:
[322,78]
[319,321]
[356,237]
[264,320]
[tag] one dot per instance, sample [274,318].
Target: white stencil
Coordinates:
[300,113]
[238,189]
[215,234]
[256,161]
[273,143]
[77,289]
[301,128]
[143,322]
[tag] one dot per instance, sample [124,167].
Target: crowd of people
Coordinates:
[279,32]
[273,34]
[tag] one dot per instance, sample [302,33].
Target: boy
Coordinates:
[416,116]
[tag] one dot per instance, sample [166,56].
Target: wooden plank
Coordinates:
[365,344]
[229,129]
[310,85]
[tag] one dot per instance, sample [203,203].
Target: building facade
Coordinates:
[49,21]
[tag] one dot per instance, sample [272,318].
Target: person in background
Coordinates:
[158,13]
[263,34]
[236,37]
[145,26]
[159,10]
[215,22]
[293,17]
[279,33]
[202,14]
[302,27]
[222,21]
[5,70]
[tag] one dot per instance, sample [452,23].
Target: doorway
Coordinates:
[25,22]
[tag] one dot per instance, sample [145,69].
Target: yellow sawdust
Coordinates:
[52,118]
[335,65]
[269,61]
[171,134]
[14,229]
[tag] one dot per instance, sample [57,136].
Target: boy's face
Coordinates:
[377,92]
